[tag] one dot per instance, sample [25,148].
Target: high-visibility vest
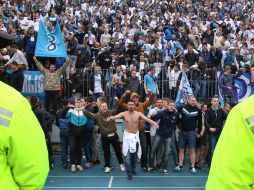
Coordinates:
[23,153]
[233,160]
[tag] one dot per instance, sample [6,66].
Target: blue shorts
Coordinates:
[187,138]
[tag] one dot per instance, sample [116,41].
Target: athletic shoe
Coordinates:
[144,169]
[150,169]
[178,168]
[165,171]
[122,168]
[88,165]
[80,168]
[73,168]
[96,162]
[130,176]
[193,170]
[107,170]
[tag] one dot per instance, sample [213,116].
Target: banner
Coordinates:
[33,84]
[184,91]
[50,44]
[241,89]
[220,96]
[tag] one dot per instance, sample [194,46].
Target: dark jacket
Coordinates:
[191,58]
[30,43]
[16,80]
[226,83]
[92,81]
[72,45]
[49,119]
[216,58]
[168,121]
[104,60]
[106,127]
[133,85]
[190,117]
[41,118]
[76,83]
[215,119]
[61,121]
[83,59]
[61,114]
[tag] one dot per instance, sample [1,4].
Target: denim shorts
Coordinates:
[187,138]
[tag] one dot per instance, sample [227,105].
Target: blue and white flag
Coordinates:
[33,84]
[184,91]
[50,43]
[220,96]
[242,88]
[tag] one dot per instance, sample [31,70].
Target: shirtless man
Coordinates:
[131,141]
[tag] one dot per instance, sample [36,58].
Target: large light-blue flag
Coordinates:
[220,95]
[50,43]
[184,91]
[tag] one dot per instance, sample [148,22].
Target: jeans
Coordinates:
[196,85]
[96,95]
[64,138]
[76,143]
[143,143]
[51,96]
[94,144]
[49,147]
[87,145]
[187,138]
[159,152]
[174,147]
[204,83]
[72,63]
[115,142]
[130,161]
[157,141]
[213,139]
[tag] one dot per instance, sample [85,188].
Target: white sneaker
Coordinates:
[107,170]
[80,168]
[122,168]
[73,168]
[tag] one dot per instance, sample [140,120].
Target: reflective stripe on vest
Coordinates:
[4,121]
[5,112]
[250,121]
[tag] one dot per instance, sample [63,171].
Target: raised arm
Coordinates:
[148,120]
[65,65]
[90,115]
[119,116]
[149,100]
[122,99]
[39,65]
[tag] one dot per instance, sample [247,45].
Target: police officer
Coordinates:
[23,152]
[232,163]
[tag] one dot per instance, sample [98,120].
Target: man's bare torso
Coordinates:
[131,121]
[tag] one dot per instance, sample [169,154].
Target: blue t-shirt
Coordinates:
[150,82]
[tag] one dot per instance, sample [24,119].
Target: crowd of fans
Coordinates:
[141,47]
[198,36]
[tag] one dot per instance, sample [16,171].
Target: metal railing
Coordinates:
[210,84]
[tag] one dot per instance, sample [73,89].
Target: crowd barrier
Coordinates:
[34,85]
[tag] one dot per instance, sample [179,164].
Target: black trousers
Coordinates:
[51,96]
[143,143]
[31,63]
[114,141]
[76,145]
